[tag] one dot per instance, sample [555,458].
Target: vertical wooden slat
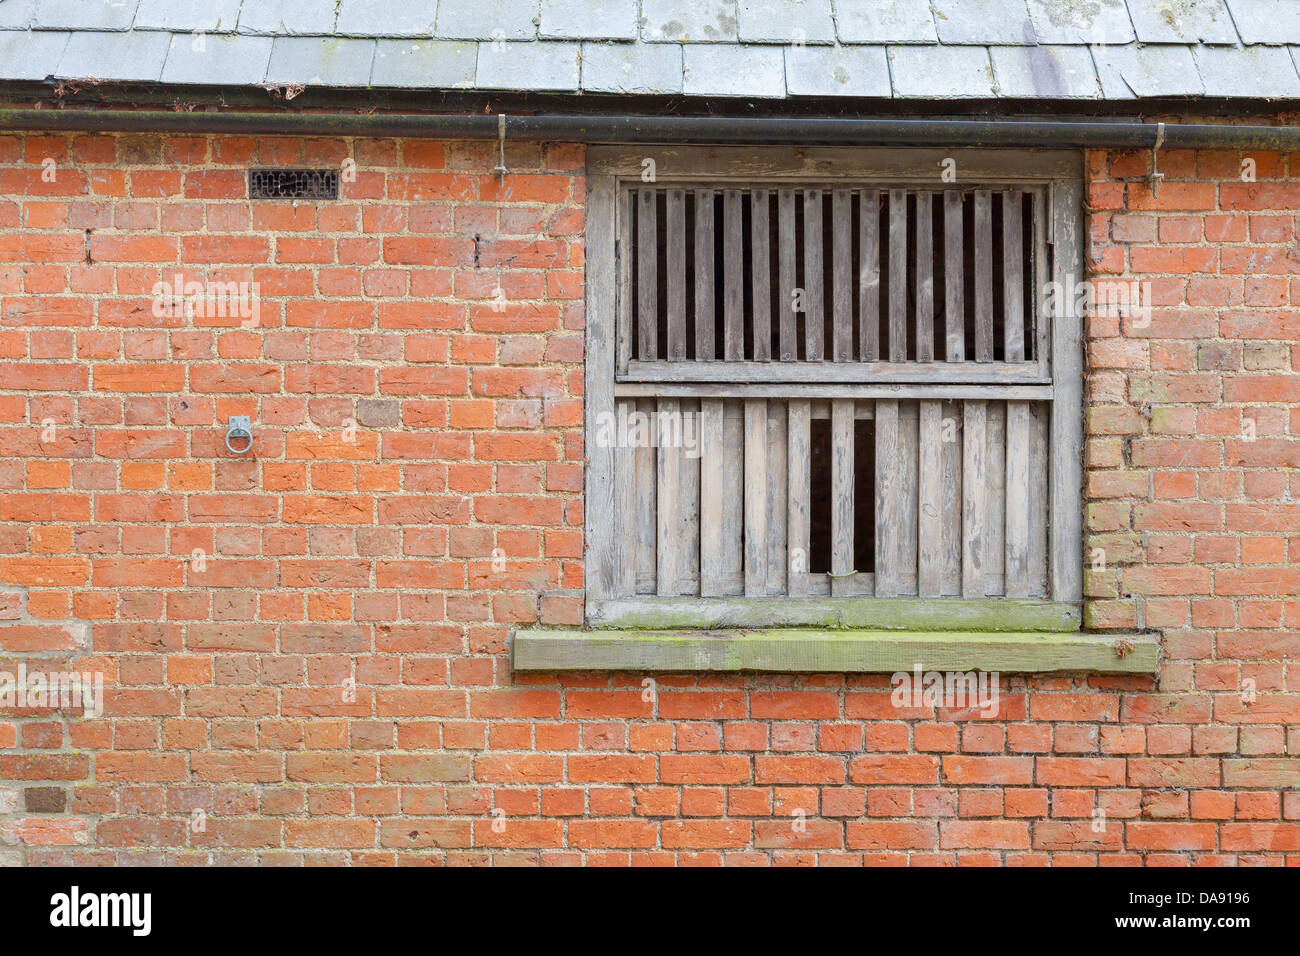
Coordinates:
[786,264]
[733,277]
[952,498]
[626,296]
[954,290]
[973,493]
[995,499]
[733,441]
[755,494]
[983,241]
[930,502]
[813,277]
[668,561]
[647,480]
[1066,479]
[924,277]
[705,317]
[647,280]
[602,300]
[675,210]
[1039,465]
[798,489]
[842,274]
[625,507]
[1017,494]
[843,418]
[713,486]
[1013,277]
[1039,322]
[778,465]
[761,269]
[869,274]
[897,275]
[896,497]
[689,460]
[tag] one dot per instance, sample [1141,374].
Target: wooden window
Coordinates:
[828,373]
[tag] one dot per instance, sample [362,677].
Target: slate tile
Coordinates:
[631,68]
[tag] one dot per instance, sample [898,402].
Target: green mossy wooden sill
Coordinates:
[802,650]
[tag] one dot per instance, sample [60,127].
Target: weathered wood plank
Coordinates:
[669,497]
[815,651]
[842,290]
[626,294]
[1018,504]
[733,277]
[705,315]
[647,282]
[995,498]
[786,265]
[713,487]
[625,509]
[924,276]
[930,501]
[869,274]
[952,498]
[898,275]
[813,277]
[1013,276]
[1066,477]
[1021,373]
[778,465]
[799,487]
[983,240]
[1039,498]
[755,494]
[897,460]
[675,211]
[647,482]
[733,518]
[974,449]
[842,495]
[1024,393]
[690,491]
[601,332]
[954,289]
[761,270]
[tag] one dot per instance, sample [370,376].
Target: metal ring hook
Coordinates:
[239,426]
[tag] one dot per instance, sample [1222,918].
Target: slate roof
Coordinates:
[903,49]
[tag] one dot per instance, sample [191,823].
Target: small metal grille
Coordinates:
[293,184]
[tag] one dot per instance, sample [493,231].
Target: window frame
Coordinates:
[1060,172]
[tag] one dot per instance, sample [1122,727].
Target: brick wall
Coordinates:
[304,649]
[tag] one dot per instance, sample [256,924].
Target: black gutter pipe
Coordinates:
[668,129]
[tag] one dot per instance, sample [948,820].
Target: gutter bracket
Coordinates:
[1156,174]
[500,168]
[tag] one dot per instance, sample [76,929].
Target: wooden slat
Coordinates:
[786,264]
[755,494]
[842,426]
[973,496]
[669,497]
[798,490]
[995,499]
[690,492]
[602,298]
[842,290]
[733,277]
[646,484]
[952,498]
[733,441]
[832,389]
[713,487]
[625,509]
[626,295]
[761,269]
[778,466]
[1040,323]
[930,502]
[647,281]
[954,290]
[935,372]
[896,498]
[898,275]
[869,274]
[924,277]
[813,277]
[983,241]
[1039,466]
[675,210]
[1013,275]
[1018,504]
[1066,479]
[705,317]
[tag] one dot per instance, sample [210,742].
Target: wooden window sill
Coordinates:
[827,650]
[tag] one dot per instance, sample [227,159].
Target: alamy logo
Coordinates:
[954,690]
[74,909]
[64,690]
[209,300]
